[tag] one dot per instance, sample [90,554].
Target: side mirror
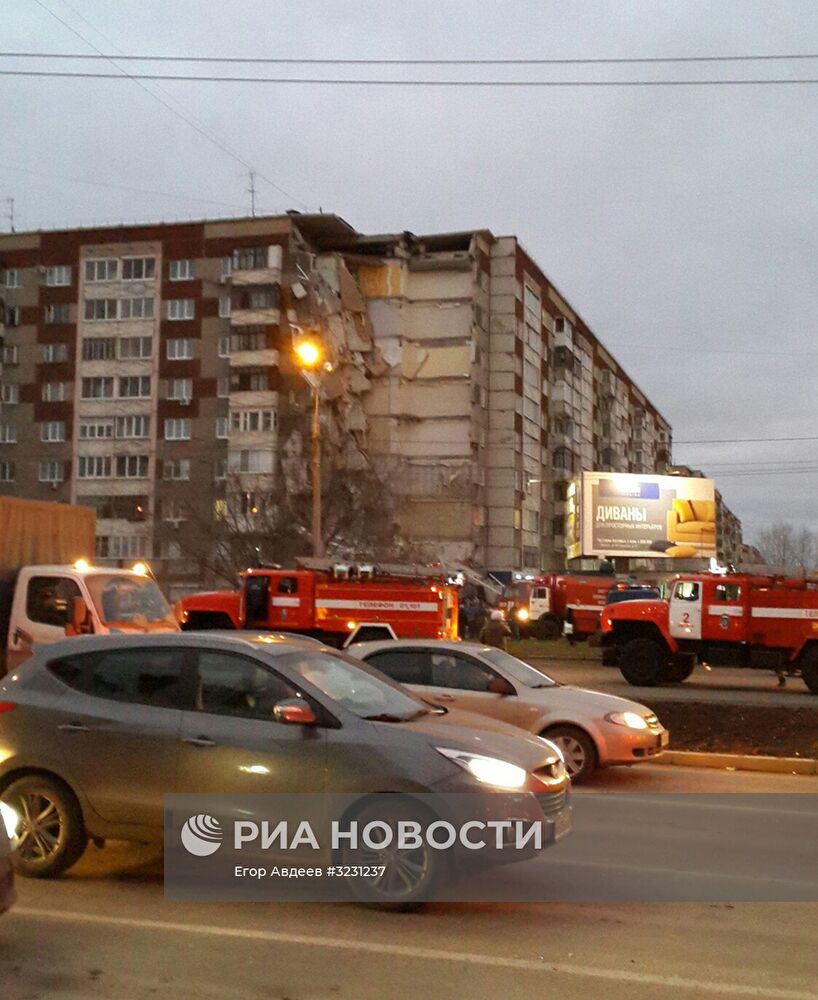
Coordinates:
[499,685]
[81,622]
[295,712]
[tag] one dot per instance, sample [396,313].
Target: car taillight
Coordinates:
[7,706]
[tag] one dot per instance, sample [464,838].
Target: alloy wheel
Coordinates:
[572,751]
[404,870]
[39,835]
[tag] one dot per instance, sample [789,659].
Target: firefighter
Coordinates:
[495,631]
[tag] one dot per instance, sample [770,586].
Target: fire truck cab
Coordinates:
[556,603]
[736,620]
[337,603]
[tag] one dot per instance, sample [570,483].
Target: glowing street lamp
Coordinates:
[308,353]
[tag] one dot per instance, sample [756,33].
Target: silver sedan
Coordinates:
[591,729]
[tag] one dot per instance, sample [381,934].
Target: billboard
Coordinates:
[646,516]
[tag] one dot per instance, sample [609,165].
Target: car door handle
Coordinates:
[443,697]
[73,727]
[199,741]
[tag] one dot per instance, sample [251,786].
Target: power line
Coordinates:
[201,129]
[743,440]
[289,61]
[382,82]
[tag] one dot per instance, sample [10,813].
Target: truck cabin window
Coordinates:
[686,590]
[49,600]
[128,600]
[728,592]
[287,585]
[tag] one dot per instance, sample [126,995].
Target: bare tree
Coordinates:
[782,544]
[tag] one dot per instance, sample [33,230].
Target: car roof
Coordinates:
[217,639]
[456,645]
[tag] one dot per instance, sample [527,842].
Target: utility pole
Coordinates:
[252,192]
[10,213]
[315,443]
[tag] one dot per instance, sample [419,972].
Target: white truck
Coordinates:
[49,587]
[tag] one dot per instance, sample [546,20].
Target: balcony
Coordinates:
[262,358]
[257,266]
[259,316]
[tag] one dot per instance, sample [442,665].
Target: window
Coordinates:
[132,466]
[406,666]
[7,472]
[252,461]
[176,469]
[531,302]
[134,386]
[8,433]
[12,278]
[133,348]
[222,430]
[177,429]
[229,684]
[223,387]
[94,467]
[250,380]
[253,420]
[52,430]
[119,547]
[179,309]
[10,355]
[180,388]
[449,670]
[57,313]
[136,308]
[50,600]
[173,510]
[180,270]
[224,306]
[728,592]
[100,309]
[558,525]
[686,590]
[121,508]
[98,348]
[224,347]
[249,340]
[54,353]
[101,269]
[9,394]
[13,316]
[51,471]
[179,349]
[133,427]
[139,676]
[249,259]
[227,267]
[58,276]
[53,392]
[256,298]
[91,430]
[220,469]
[138,268]
[170,549]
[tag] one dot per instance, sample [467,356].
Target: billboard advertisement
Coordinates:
[645,516]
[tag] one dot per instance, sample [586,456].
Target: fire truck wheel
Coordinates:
[642,662]
[577,748]
[547,627]
[809,669]
[679,669]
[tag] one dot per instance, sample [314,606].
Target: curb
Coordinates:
[738,762]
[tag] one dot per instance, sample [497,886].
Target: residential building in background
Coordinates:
[148,369]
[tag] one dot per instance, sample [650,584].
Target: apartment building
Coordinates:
[148,369]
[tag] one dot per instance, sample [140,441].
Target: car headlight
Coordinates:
[522,614]
[489,770]
[629,719]
[10,818]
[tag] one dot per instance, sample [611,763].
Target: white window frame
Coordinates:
[136,309]
[222,427]
[97,423]
[100,466]
[135,466]
[104,381]
[52,431]
[50,313]
[51,470]
[174,465]
[225,307]
[12,278]
[11,354]
[8,433]
[144,386]
[10,394]
[179,349]
[132,427]
[146,263]
[178,310]
[53,392]
[8,472]
[109,317]
[180,388]
[95,265]
[142,342]
[224,347]
[58,276]
[180,270]
[55,353]
[177,429]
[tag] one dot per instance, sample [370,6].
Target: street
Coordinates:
[106,931]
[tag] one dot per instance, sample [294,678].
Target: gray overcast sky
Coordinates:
[681,222]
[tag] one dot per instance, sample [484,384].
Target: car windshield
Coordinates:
[132,600]
[516,669]
[355,688]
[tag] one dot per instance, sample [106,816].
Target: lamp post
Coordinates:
[308,357]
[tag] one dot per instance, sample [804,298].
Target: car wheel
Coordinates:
[679,668]
[610,656]
[51,837]
[578,750]
[547,627]
[410,876]
[809,669]
[642,662]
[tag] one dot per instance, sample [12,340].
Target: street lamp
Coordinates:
[308,356]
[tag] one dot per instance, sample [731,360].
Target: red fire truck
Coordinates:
[337,603]
[545,605]
[737,620]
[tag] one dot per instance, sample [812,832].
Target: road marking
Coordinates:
[702,987]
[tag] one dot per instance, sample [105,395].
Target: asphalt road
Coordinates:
[105,931]
[727,685]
